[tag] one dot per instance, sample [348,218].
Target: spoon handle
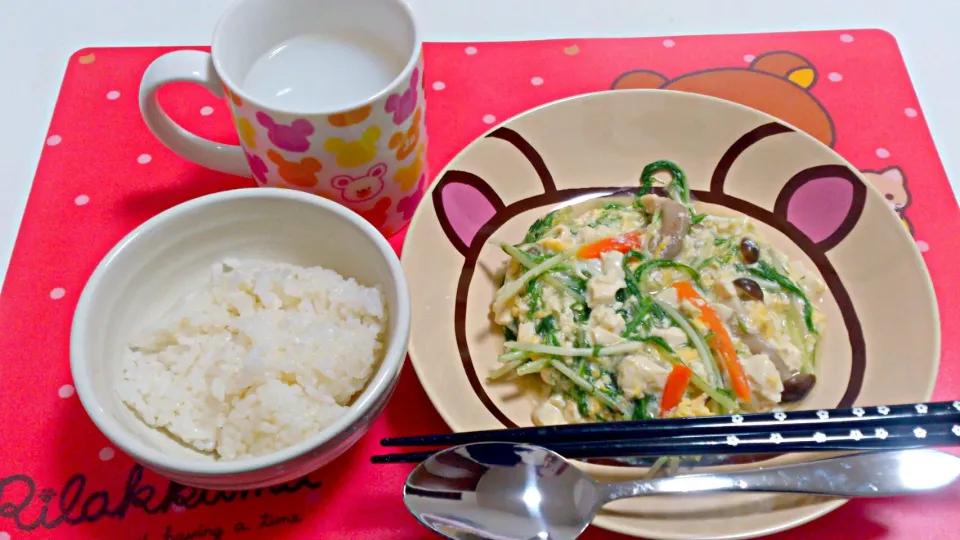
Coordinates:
[875,474]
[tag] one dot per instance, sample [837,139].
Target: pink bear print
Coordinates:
[403,104]
[408,205]
[361,188]
[292,138]
[257,167]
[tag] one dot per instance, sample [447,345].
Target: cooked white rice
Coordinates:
[263,356]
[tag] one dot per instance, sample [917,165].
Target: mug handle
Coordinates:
[187,66]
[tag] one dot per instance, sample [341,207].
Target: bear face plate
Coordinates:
[881,344]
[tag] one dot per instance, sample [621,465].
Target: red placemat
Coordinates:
[102,173]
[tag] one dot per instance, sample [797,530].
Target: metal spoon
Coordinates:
[507,491]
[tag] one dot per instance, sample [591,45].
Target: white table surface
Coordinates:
[38,36]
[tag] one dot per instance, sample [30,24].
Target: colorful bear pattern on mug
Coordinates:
[371,159]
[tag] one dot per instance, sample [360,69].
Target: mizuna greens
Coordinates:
[643,309]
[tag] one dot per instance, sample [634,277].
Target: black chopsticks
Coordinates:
[853,429]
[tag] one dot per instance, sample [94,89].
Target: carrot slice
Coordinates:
[675,387]
[622,243]
[720,342]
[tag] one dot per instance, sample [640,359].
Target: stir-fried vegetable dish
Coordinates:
[641,308]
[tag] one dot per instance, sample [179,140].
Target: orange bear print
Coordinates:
[406,142]
[233,97]
[408,176]
[354,153]
[892,184]
[350,118]
[377,216]
[302,173]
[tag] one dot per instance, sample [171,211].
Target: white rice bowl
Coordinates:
[264,356]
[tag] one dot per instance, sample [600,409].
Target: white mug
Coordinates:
[326,95]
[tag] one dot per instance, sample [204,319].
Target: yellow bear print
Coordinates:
[247,132]
[354,153]
[408,176]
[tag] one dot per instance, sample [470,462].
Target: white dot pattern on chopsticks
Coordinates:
[883,409]
[858,411]
[956,430]
[820,437]
[780,416]
[956,405]
[881,433]
[856,435]
[921,408]
[919,432]
[776,438]
[732,440]
[736,419]
[823,415]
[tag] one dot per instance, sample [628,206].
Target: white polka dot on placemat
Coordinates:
[883,153]
[923,246]
[81,200]
[4,535]
[206,111]
[536,81]
[106,453]
[835,77]
[143,159]
[489,119]
[112,95]
[470,50]
[749,58]
[668,43]
[439,85]
[65,391]
[910,112]
[846,38]
[54,140]
[57,293]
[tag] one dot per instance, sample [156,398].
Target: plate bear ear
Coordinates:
[823,202]
[464,202]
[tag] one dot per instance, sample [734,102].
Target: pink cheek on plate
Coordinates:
[819,207]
